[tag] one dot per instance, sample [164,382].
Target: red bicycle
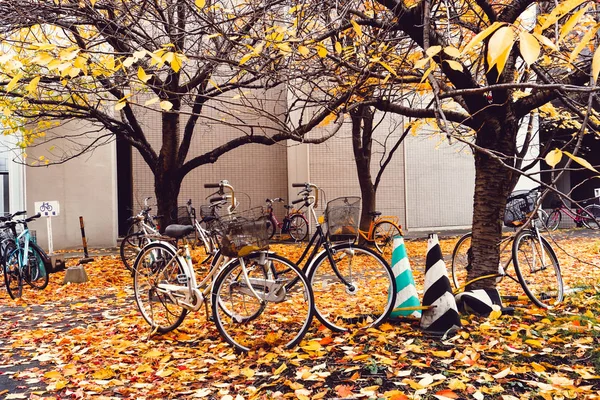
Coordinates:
[294,223]
[588,216]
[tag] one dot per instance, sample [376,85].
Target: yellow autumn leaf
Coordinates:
[200,3]
[52,375]
[247,372]
[166,105]
[452,51]
[421,63]
[571,22]
[553,157]
[338,47]
[281,368]
[246,57]
[104,373]
[13,82]
[433,50]
[143,368]
[557,13]
[322,51]
[303,50]
[583,162]
[545,41]
[328,119]
[481,36]
[177,61]
[154,353]
[596,64]
[32,85]
[152,101]
[386,66]
[589,35]
[537,367]
[312,345]
[356,27]
[529,47]
[129,61]
[120,104]
[142,75]
[499,47]
[455,65]
[534,343]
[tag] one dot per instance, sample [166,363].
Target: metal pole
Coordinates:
[86,257]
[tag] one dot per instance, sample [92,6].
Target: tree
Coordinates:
[110,63]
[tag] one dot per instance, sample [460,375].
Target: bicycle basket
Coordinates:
[342,216]
[519,205]
[183,216]
[242,233]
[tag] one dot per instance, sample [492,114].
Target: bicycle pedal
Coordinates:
[182,279]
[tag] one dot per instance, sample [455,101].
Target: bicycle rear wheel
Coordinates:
[12,274]
[158,264]
[461,261]
[271,227]
[298,228]
[34,273]
[537,268]
[553,220]
[591,220]
[383,236]
[279,316]
[367,302]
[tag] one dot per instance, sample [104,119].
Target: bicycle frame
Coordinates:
[369,235]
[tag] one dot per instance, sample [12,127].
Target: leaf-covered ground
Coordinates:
[88,341]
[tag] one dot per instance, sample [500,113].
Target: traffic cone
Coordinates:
[481,302]
[407,298]
[442,316]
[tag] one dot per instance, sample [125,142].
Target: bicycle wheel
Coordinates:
[279,316]
[12,274]
[461,261]
[157,264]
[130,248]
[271,227]
[540,221]
[537,268]
[383,236]
[367,302]
[134,228]
[592,219]
[34,273]
[553,220]
[298,228]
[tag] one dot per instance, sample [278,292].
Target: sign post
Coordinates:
[49,209]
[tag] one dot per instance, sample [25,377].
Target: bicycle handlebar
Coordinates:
[297,201]
[308,187]
[212,185]
[217,199]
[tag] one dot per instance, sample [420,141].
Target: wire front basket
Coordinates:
[183,216]
[342,216]
[519,206]
[242,233]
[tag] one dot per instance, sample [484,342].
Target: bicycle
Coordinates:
[533,258]
[250,307]
[23,260]
[353,286]
[382,230]
[139,234]
[587,216]
[294,223]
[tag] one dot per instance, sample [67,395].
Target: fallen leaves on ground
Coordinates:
[89,341]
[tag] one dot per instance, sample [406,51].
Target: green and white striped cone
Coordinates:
[407,296]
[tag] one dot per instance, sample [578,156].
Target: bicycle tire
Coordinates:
[368,304]
[130,247]
[298,228]
[461,261]
[284,316]
[271,227]
[540,287]
[540,221]
[383,237]
[157,263]
[34,273]
[591,220]
[553,220]
[13,278]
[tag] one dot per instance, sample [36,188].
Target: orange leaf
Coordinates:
[326,340]
[343,390]
[447,393]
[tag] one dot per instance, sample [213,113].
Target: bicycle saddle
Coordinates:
[375,213]
[288,207]
[178,231]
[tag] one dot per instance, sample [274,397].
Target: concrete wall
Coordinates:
[84,186]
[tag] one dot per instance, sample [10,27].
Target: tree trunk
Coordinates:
[499,135]
[362,134]
[167,189]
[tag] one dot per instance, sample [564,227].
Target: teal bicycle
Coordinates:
[22,261]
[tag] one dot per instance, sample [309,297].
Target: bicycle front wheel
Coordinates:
[158,265]
[383,236]
[537,268]
[591,216]
[255,304]
[34,273]
[367,296]
[553,220]
[271,228]
[12,274]
[130,248]
[298,228]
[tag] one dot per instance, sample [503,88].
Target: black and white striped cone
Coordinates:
[478,301]
[442,316]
